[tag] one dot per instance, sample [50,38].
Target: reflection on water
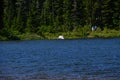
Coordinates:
[85,59]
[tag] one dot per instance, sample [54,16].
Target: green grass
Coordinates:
[29,36]
[76,34]
[46,35]
[106,33]
[3,38]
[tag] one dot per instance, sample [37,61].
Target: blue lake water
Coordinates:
[82,59]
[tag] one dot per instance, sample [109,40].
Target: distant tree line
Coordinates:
[58,15]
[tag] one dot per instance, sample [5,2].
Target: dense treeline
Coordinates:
[38,16]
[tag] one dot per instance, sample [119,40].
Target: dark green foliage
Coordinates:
[39,16]
[9,35]
[1,14]
[110,13]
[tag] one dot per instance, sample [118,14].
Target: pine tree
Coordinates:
[58,11]
[1,14]
[7,14]
[116,14]
[46,13]
[67,19]
[108,13]
[33,20]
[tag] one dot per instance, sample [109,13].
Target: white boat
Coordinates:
[61,37]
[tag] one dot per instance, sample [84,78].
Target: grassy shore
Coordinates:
[106,33]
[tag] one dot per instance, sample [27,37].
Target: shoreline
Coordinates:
[89,37]
[106,33]
[68,38]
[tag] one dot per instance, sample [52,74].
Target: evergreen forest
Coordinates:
[46,19]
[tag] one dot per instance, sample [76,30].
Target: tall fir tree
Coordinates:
[1,14]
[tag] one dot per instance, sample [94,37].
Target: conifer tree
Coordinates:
[58,15]
[1,14]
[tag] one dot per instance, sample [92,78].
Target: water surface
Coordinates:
[82,59]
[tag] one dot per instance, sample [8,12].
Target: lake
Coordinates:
[81,59]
